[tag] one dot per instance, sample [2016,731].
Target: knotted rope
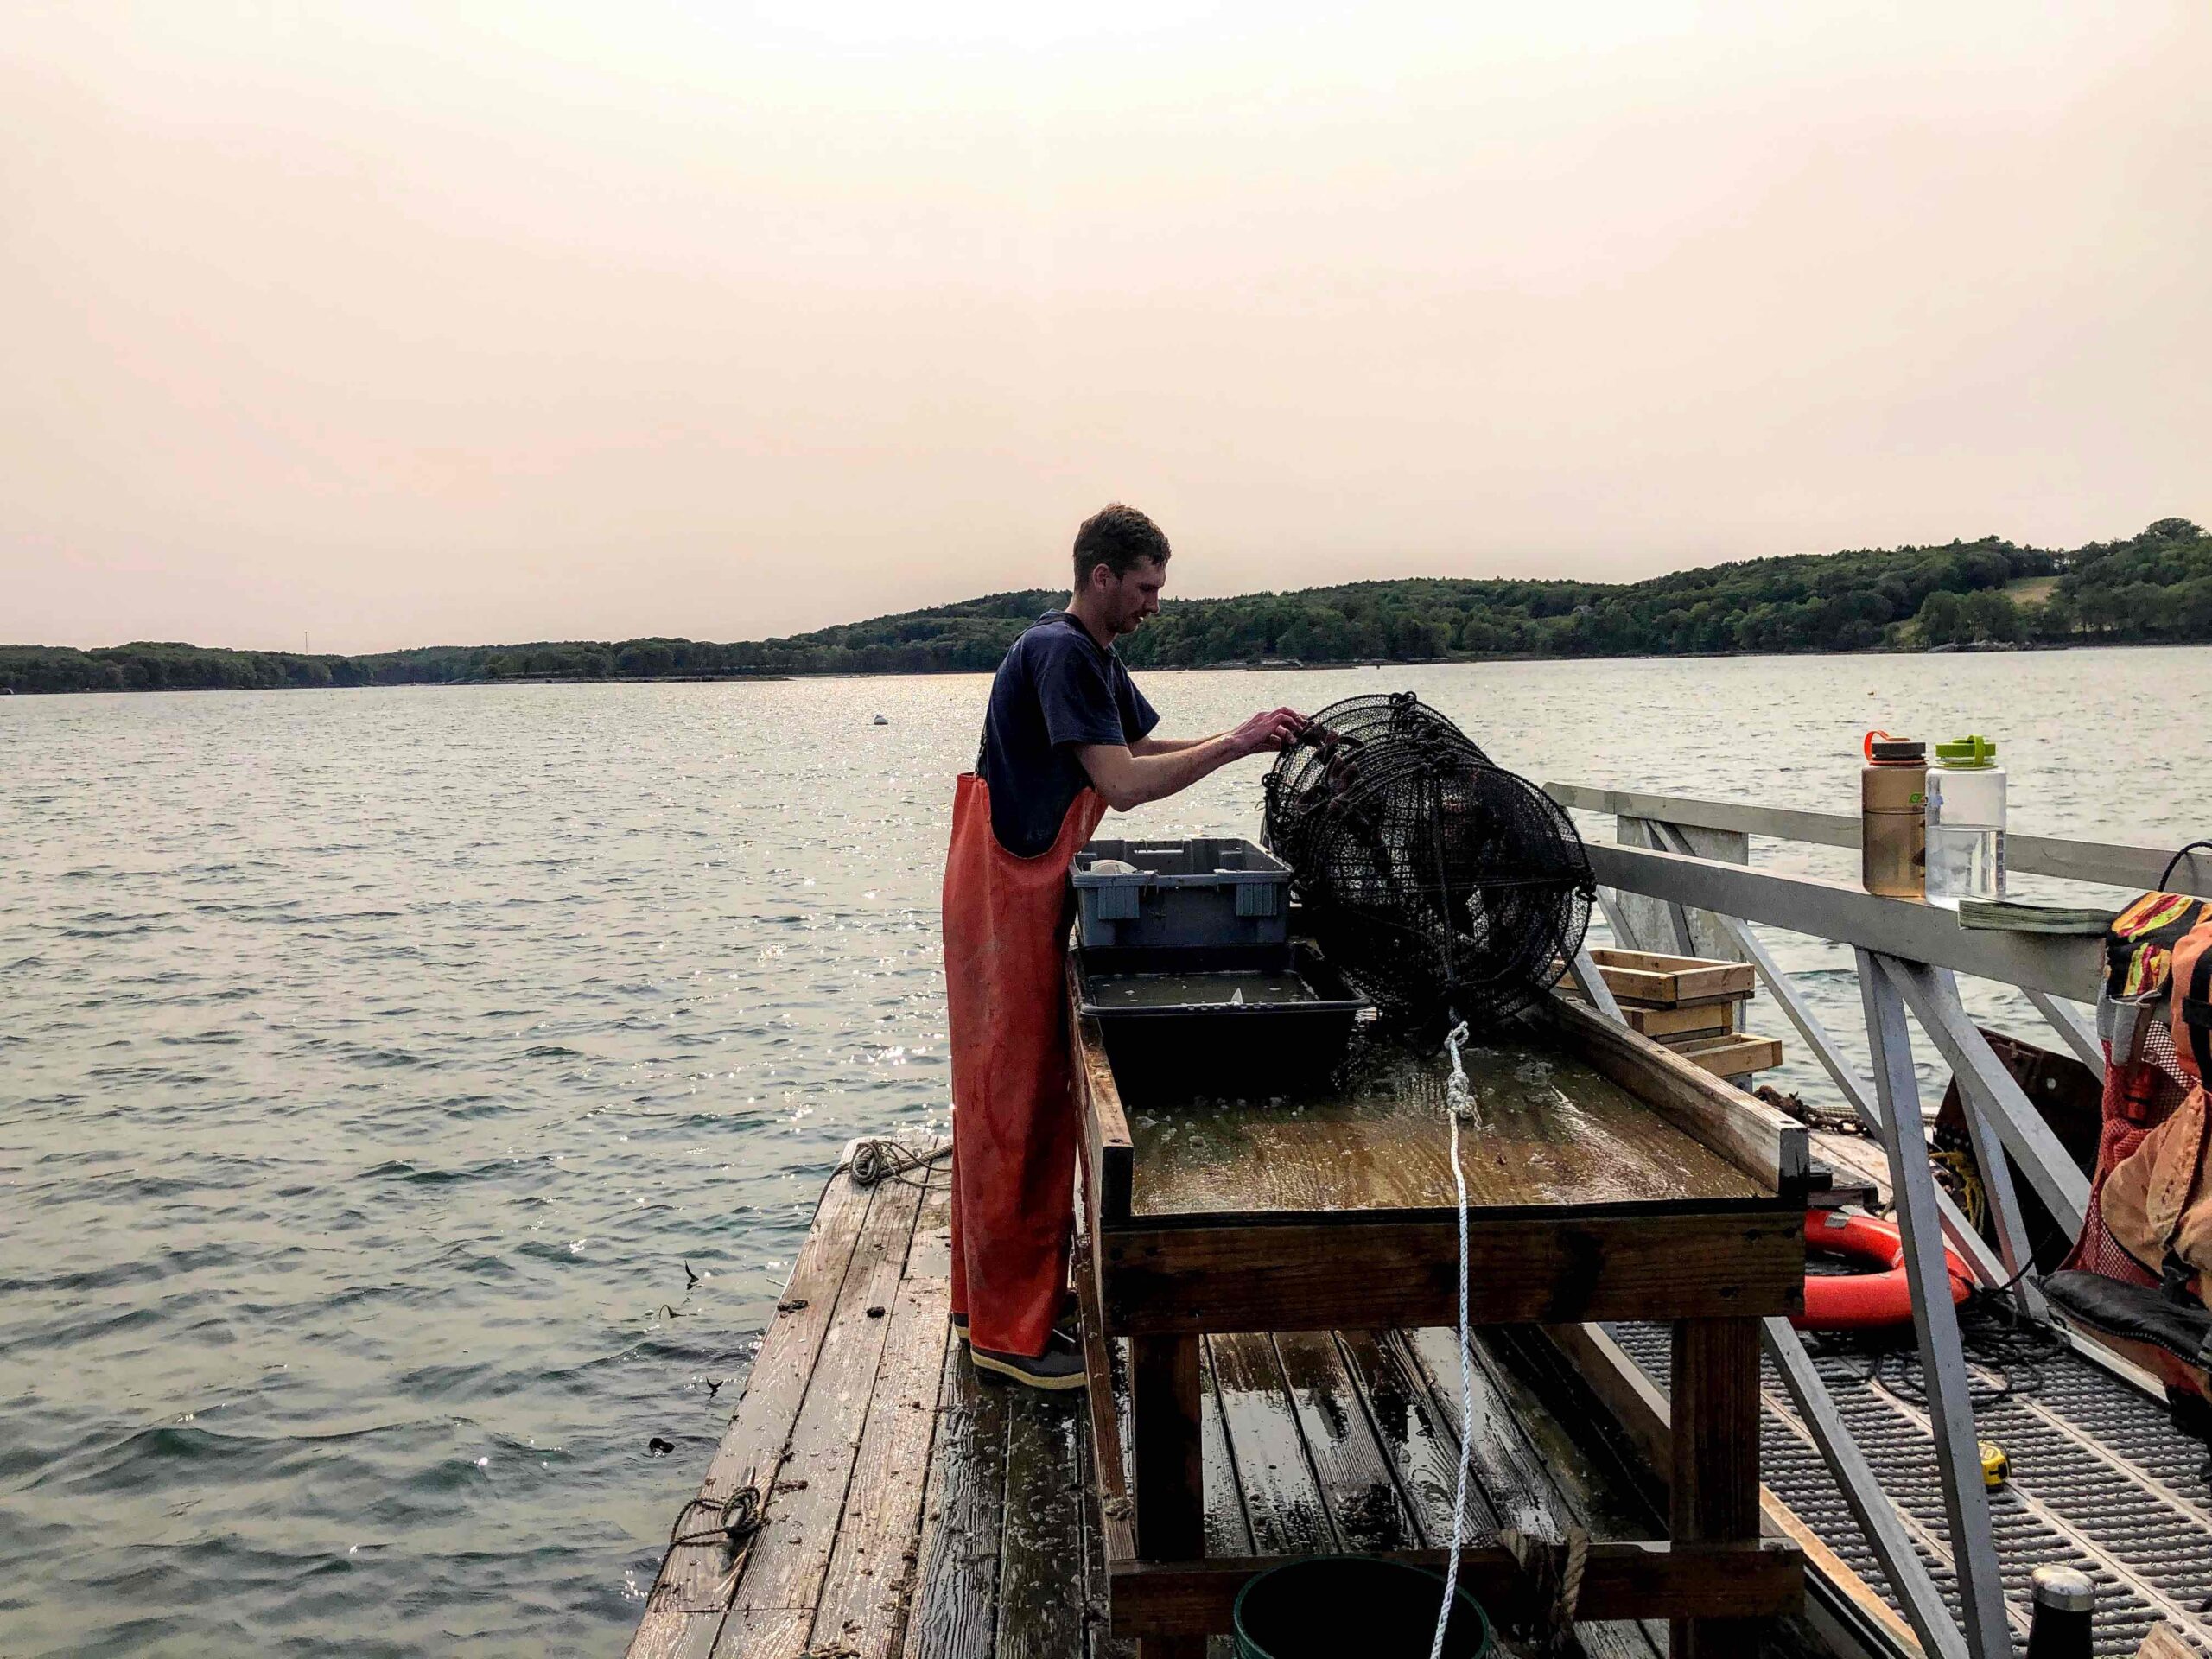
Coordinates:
[1554,1573]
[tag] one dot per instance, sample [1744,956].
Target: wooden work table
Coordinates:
[1608,1178]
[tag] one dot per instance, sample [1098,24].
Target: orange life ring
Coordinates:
[1864,1301]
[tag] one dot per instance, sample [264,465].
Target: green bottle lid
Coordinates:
[1966,751]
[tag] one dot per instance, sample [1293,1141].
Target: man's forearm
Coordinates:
[1129,780]
[1148,745]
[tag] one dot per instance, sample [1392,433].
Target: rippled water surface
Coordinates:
[372,1064]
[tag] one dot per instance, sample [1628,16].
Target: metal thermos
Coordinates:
[1894,823]
[2066,1602]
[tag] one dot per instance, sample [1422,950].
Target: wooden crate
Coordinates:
[1651,980]
[1737,1054]
[1674,1026]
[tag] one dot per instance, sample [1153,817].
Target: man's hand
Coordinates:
[1271,729]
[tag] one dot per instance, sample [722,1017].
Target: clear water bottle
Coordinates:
[1966,823]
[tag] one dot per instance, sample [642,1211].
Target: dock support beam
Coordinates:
[1713,1496]
[1936,1325]
[1164,1403]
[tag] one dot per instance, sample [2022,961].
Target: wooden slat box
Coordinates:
[1651,980]
[1674,1026]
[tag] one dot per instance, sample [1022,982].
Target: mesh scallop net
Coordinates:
[1436,881]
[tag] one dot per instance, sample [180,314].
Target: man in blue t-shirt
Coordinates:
[1067,735]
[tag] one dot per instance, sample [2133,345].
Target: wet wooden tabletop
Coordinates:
[1550,1130]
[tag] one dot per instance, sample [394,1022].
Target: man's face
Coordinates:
[1134,596]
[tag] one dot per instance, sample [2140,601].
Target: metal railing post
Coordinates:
[1950,1406]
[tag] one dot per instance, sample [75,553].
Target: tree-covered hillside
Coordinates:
[2153,587]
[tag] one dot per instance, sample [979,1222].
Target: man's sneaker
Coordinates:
[1059,1367]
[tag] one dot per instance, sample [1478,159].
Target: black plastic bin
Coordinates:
[1243,1022]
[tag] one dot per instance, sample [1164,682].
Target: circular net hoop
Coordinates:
[1436,881]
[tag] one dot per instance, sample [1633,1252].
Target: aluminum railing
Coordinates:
[1908,957]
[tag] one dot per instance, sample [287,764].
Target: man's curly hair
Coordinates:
[1117,536]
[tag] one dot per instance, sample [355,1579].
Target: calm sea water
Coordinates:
[372,1064]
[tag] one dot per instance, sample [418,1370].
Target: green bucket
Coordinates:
[1335,1606]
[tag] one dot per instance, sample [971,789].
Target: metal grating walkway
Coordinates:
[2100,1480]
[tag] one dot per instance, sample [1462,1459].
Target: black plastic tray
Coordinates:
[1243,1022]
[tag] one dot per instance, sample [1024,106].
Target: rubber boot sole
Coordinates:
[989,1364]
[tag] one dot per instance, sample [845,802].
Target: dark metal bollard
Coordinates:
[2066,1601]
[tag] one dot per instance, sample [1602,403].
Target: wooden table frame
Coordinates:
[1712,1269]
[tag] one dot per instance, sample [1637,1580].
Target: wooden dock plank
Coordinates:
[684,1610]
[1281,1500]
[1040,1555]
[1098,1640]
[1355,1477]
[1511,1475]
[790,1557]
[1596,1489]
[1422,1449]
[1229,1529]
[1608,1505]
[872,1571]
[954,1614]
[1504,1463]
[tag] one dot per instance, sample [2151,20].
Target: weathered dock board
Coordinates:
[915,1512]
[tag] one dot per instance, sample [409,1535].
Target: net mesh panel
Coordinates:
[2138,1098]
[1435,879]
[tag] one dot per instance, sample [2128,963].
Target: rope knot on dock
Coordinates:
[1553,1577]
[740,1517]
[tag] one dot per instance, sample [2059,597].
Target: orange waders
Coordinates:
[1014,1120]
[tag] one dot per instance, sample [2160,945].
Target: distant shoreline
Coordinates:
[2154,588]
[2022,647]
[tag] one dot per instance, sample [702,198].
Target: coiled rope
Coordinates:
[874,1161]
[1459,1104]
[740,1517]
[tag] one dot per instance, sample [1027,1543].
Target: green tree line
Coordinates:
[2154,587]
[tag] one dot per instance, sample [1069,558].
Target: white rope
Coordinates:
[1459,1101]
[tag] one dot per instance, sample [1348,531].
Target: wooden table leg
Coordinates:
[1170,1482]
[1715,1412]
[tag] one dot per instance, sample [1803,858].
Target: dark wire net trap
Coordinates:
[1439,884]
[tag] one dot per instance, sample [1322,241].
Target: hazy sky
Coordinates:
[397,324]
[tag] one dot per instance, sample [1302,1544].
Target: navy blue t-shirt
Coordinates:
[1057,689]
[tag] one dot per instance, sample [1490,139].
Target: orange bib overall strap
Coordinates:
[1014,1120]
